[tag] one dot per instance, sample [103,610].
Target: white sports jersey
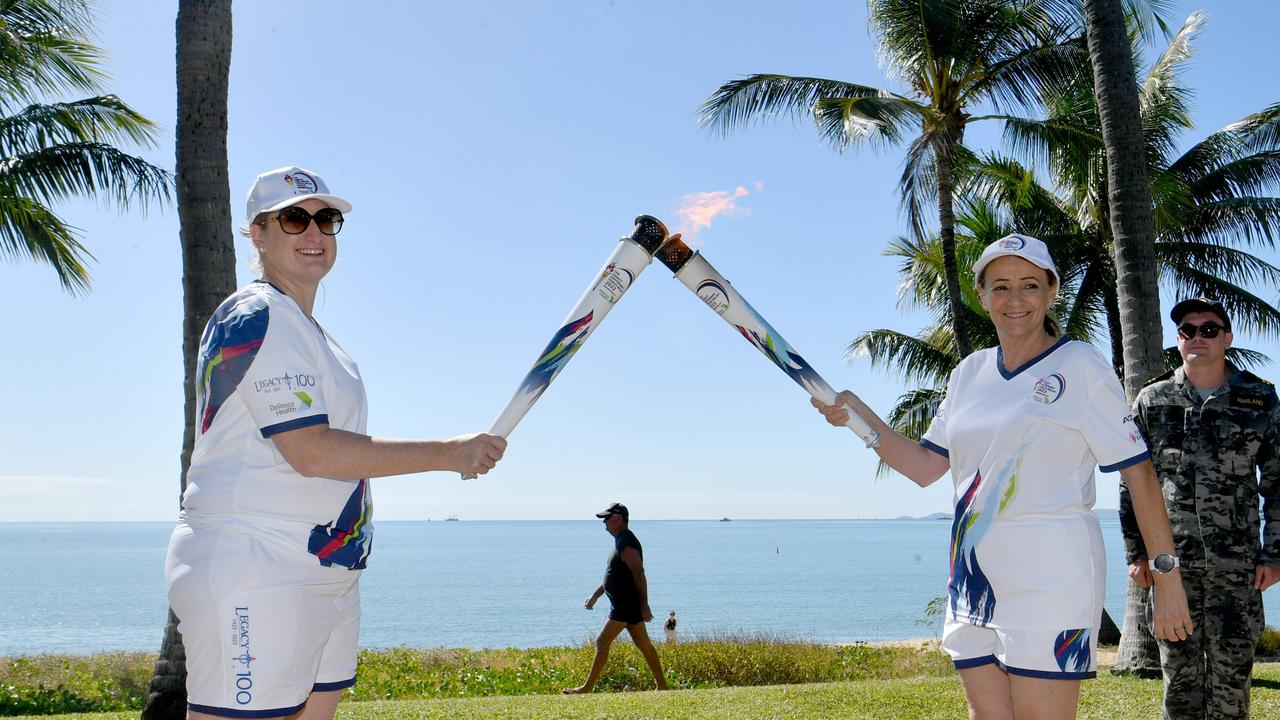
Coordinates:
[1026,549]
[265,368]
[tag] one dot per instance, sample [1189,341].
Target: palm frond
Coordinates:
[912,35]
[1084,312]
[918,183]
[1035,210]
[1243,358]
[1227,263]
[911,416]
[1261,130]
[102,119]
[1043,140]
[1247,359]
[1253,220]
[1164,72]
[1144,17]
[757,97]
[922,284]
[87,170]
[912,358]
[883,120]
[1254,174]
[1247,310]
[915,410]
[31,230]
[1036,72]
[43,51]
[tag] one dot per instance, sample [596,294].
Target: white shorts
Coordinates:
[1050,654]
[263,624]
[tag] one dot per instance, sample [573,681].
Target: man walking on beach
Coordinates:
[628,592]
[1211,428]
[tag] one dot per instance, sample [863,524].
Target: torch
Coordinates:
[693,270]
[632,255]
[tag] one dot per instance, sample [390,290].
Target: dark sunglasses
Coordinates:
[1209,330]
[295,220]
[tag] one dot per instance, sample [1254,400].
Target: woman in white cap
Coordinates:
[264,565]
[1021,429]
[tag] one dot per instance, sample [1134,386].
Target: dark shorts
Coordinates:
[629,614]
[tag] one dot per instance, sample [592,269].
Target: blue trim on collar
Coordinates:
[1011,375]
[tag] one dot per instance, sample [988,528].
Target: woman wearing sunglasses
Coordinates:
[263,568]
[1021,429]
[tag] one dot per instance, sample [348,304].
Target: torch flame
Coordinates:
[697,210]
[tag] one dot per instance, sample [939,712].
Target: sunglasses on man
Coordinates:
[1208,331]
[295,220]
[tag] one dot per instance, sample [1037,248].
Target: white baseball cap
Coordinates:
[287,186]
[1026,247]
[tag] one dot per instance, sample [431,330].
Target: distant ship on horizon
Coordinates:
[451,518]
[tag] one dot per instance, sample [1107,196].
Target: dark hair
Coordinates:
[1052,327]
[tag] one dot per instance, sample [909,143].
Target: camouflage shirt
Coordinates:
[1215,460]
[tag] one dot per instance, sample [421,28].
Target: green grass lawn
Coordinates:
[1108,697]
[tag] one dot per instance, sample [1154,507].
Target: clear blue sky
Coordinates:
[494,152]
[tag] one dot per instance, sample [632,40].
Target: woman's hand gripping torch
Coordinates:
[632,255]
[693,270]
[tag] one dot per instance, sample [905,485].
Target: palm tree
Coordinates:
[208,252]
[953,56]
[50,152]
[1133,228]
[1211,205]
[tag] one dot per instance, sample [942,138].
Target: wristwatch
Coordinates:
[1164,563]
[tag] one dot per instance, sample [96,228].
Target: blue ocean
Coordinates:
[93,587]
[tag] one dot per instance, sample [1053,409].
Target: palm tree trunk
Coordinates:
[1128,193]
[208,252]
[1112,304]
[945,160]
[1132,227]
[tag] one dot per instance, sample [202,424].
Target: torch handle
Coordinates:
[855,421]
[710,286]
[632,255]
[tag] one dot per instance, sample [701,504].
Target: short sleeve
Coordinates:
[1107,421]
[935,438]
[282,388]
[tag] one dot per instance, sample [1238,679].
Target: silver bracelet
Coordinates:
[873,440]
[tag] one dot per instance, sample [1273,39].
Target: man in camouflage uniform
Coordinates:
[1211,428]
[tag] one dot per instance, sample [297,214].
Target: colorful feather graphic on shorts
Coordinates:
[1071,649]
